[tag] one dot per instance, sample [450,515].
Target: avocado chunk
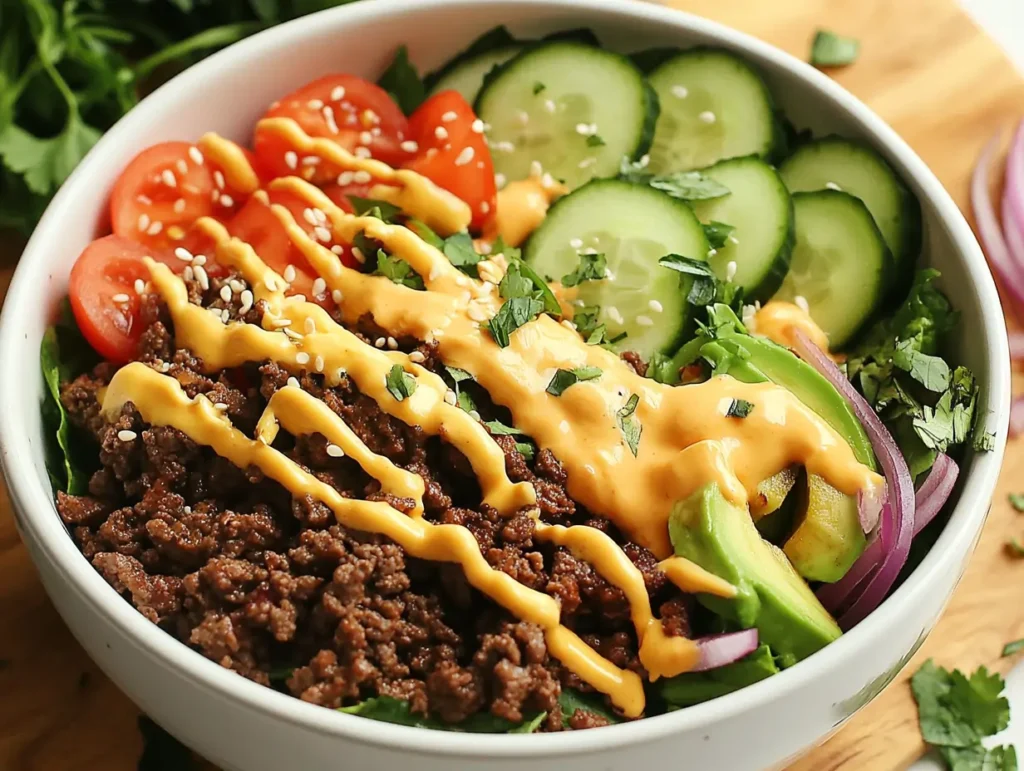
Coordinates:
[828,538]
[772,492]
[721,538]
[692,688]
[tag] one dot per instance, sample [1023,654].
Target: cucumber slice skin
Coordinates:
[840,223]
[859,170]
[468,76]
[758,192]
[555,59]
[606,207]
[760,129]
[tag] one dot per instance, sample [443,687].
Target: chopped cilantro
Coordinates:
[564,378]
[717,233]
[591,268]
[457,375]
[595,141]
[400,383]
[500,247]
[685,185]
[370,207]
[629,425]
[705,285]
[1013,647]
[513,314]
[1017,501]
[402,81]
[465,401]
[739,408]
[521,280]
[538,87]
[984,441]
[462,398]
[388,709]
[526,449]
[397,270]
[930,371]
[832,50]
[460,251]
[425,233]
[956,713]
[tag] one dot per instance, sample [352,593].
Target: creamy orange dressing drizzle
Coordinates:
[686,440]
[522,206]
[238,173]
[778,319]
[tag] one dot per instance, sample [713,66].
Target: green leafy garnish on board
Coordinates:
[591,268]
[400,383]
[403,82]
[390,710]
[64,355]
[1013,647]
[957,712]
[398,270]
[685,185]
[565,378]
[832,50]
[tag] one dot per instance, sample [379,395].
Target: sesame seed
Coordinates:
[547,181]
[449,116]
[365,137]
[168,178]
[564,426]
[733,240]
[201,277]
[126,436]
[485,207]
[680,92]
[370,117]
[188,274]
[549,105]
[712,252]
[576,243]
[655,306]
[536,169]
[322,233]
[294,382]
[319,286]
[289,273]
[583,129]
[225,293]
[179,206]
[478,126]
[246,298]
[199,259]
[120,298]
[409,146]
[832,186]
[307,214]
[645,321]
[417,357]
[392,344]
[587,162]
[236,285]
[291,159]
[270,283]
[302,357]
[214,195]
[644,160]
[334,451]
[358,254]
[218,178]
[345,178]
[337,93]
[361,177]
[476,313]
[338,249]
[140,286]
[145,200]
[363,152]
[143,221]
[505,147]
[730,270]
[441,132]
[464,157]
[375,131]
[337,296]
[196,155]
[309,325]
[706,117]
[332,124]
[221,406]
[801,303]
[474,414]
[155,228]
[379,342]
[614,315]
[227,201]
[499,180]
[318,363]
[449,397]
[315,104]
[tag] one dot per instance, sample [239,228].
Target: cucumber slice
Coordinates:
[633,226]
[834,162]
[713,106]
[574,108]
[760,209]
[467,75]
[840,265]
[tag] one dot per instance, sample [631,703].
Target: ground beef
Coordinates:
[275,589]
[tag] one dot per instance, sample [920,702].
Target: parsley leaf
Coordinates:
[400,383]
[704,286]
[459,250]
[832,50]
[370,207]
[513,314]
[564,378]
[1013,647]
[402,81]
[520,280]
[739,408]
[1017,501]
[717,233]
[46,163]
[591,268]
[685,185]
[526,449]
[538,87]
[930,371]
[629,425]
[956,712]
[595,141]
[397,270]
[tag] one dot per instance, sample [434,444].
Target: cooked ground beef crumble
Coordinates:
[273,588]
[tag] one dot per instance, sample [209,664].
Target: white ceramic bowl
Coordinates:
[245,727]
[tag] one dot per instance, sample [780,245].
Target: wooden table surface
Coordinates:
[945,87]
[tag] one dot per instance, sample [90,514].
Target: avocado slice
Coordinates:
[829,536]
[720,537]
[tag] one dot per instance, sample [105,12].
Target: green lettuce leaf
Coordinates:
[387,709]
[695,687]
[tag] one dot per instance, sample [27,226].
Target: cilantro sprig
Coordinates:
[629,424]
[591,268]
[398,270]
[400,383]
[685,185]
[565,378]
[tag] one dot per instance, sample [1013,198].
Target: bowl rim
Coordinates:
[33,501]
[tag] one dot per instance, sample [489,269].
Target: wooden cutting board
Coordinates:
[945,87]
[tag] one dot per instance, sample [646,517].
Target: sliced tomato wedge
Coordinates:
[164,190]
[350,111]
[453,153]
[103,294]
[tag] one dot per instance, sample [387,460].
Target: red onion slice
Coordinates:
[1009,270]
[717,650]
[862,591]
[869,510]
[1016,345]
[1017,416]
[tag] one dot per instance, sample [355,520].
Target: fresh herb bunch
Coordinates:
[69,69]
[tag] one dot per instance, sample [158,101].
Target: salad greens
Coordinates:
[695,687]
[390,710]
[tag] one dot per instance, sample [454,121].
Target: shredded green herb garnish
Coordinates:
[398,270]
[629,425]
[564,378]
[592,267]
[400,383]
[739,408]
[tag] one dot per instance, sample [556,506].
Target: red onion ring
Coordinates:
[1016,345]
[1009,270]
[717,650]
[1017,416]
[896,527]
